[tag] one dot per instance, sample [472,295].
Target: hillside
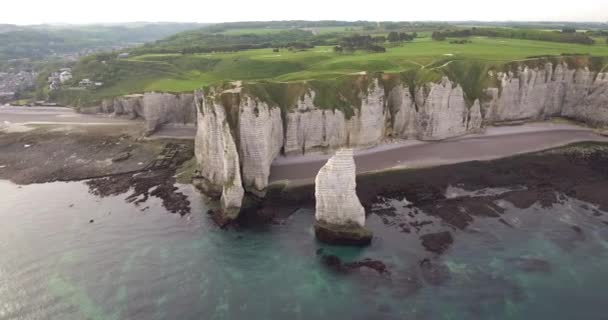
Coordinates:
[287,51]
[186,72]
[38,42]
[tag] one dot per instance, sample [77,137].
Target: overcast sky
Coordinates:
[89,11]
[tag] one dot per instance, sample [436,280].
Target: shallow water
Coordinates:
[141,262]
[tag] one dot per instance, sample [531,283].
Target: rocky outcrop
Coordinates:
[130,106]
[218,158]
[156,109]
[339,215]
[163,108]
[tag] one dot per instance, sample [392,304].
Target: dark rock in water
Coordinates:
[434,273]
[420,224]
[91,221]
[385,212]
[524,199]
[404,228]
[379,266]
[449,211]
[221,219]
[335,263]
[350,235]
[482,206]
[121,157]
[532,265]
[577,229]
[503,221]
[437,242]
[521,199]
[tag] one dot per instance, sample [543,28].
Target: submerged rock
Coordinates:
[335,263]
[437,242]
[434,272]
[340,217]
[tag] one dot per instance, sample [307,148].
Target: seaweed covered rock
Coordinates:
[340,217]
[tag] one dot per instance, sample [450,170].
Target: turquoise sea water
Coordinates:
[141,262]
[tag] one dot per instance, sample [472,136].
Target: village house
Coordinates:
[86,83]
[65,76]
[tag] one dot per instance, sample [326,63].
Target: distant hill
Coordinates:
[40,41]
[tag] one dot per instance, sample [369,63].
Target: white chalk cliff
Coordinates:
[261,129]
[217,156]
[335,191]
[156,109]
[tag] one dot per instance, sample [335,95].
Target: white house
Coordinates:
[65,76]
[86,83]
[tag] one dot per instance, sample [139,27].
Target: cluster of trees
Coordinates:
[395,36]
[438,36]
[358,42]
[369,43]
[201,41]
[527,34]
[462,41]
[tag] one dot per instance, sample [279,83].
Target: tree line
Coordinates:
[526,34]
[369,43]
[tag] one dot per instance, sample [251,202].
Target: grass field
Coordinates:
[180,73]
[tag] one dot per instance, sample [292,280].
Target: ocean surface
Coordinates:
[67,254]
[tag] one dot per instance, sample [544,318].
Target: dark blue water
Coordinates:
[141,262]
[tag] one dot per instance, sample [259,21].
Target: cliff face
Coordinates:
[260,140]
[216,152]
[261,129]
[443,112]
[537,94]
[156,109]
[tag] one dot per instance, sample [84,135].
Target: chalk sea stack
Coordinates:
[340,217]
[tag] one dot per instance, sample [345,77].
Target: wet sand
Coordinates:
[54,115]
[495,143]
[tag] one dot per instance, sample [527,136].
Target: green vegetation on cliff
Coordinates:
[293,52]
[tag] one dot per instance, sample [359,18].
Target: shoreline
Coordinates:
[495,143]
